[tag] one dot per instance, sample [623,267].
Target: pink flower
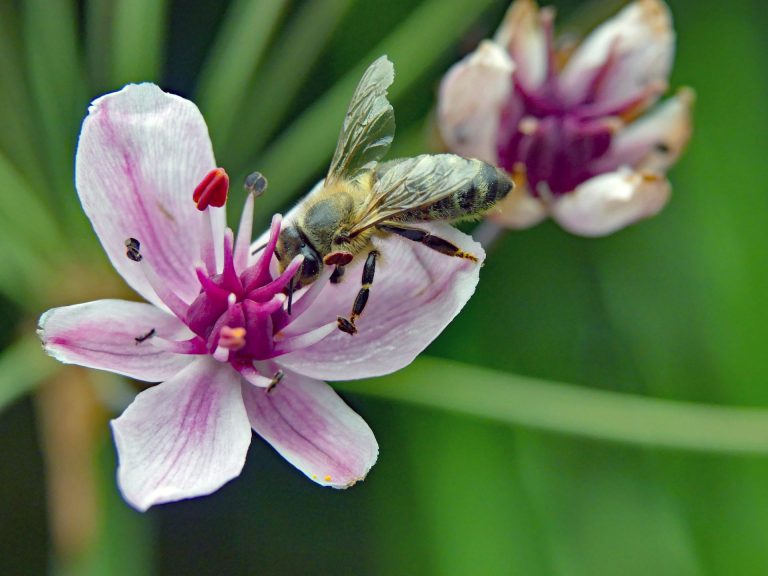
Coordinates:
[216,331]
[568,121]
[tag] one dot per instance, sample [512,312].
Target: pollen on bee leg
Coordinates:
[212,190]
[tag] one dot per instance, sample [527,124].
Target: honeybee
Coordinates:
[362,197]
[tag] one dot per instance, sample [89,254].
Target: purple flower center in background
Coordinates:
[552,139]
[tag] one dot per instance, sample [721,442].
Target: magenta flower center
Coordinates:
[242,314]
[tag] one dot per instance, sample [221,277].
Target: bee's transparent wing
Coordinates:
[369,125]
[402,185]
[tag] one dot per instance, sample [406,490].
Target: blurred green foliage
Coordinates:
[673,308]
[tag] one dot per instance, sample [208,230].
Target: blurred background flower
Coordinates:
[568,119]
[651,459]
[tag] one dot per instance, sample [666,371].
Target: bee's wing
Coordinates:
[369,125]
[418,182]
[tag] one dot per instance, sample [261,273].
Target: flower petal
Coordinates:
[416,292]
[656,140]
[519,210]
[183,438]
[107,335]
[140,155]
[472,96]
[608,202]
[637,45]
[522,34]
[312,428]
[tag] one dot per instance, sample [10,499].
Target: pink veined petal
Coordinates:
[519,210]
[416,292]
[609,202]
[656,140]
[523,36]
[312,428]
[114,335]
[140,155]
[472,96]
[640,41]
[183,438]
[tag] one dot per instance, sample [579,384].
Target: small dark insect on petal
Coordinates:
[132,249]
[278,376]
[147,336]
[662,147]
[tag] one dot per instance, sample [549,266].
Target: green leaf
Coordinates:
[574,410]
[23,365]
[284,72]
[237,52]
[57,81]
[413,47]
[18,130]
[138,40]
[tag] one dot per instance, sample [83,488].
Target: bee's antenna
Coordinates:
[259,249]
[290,295]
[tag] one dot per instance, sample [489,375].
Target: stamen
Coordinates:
[261,273]
[252,376]
[304,340]
[207,247]
[212,191]
[280,282]
[305,301]
[244,233]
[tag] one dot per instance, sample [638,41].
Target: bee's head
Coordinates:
[290,244]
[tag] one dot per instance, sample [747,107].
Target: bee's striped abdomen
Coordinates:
[488,185]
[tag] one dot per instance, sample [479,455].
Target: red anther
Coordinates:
[212,191]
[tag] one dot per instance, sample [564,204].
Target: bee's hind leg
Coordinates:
[430,241]
[348,324]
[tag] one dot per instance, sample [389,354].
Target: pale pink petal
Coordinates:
[312,428]
[640,43]
[183,438]
[609,202]
[114,335]
[523,36]
[519,210]
[655,141]
[472,96]
[140,156]
[416,292]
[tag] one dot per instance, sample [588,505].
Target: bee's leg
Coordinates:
[430,241]
[348,325]
[336,275]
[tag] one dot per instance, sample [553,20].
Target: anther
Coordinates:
[212,191]
[256,184]
[232,338]
[132,249]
